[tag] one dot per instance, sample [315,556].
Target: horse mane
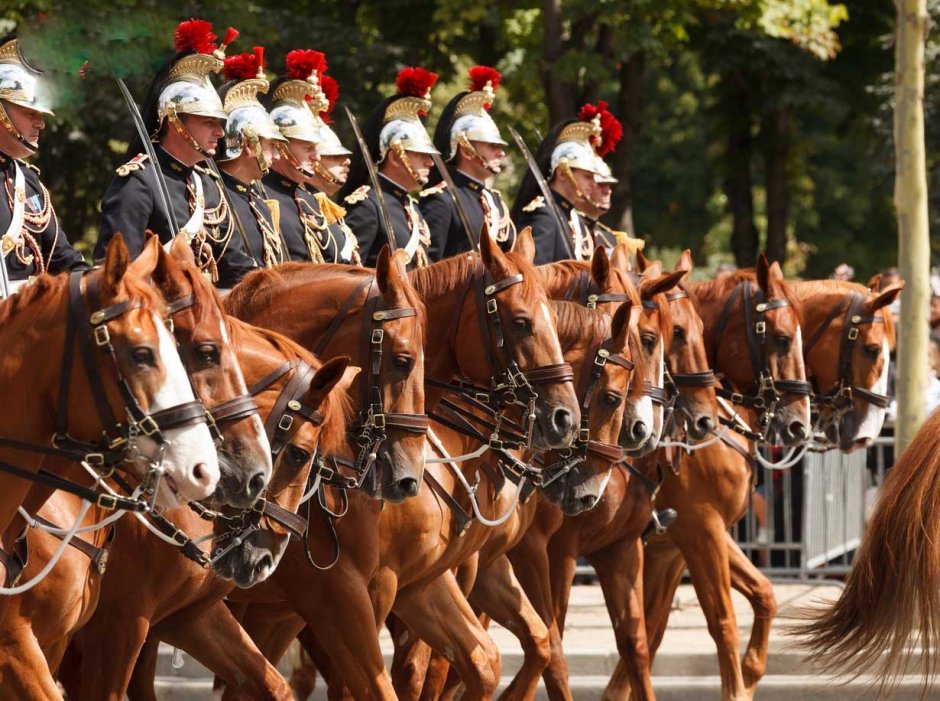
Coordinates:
[261,287]
[442,277]
[206,298]
[41,286]
[338,407]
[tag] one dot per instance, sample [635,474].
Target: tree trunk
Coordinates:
[910,199]
[737,176]
[630,110]
[775,130]
[559,96]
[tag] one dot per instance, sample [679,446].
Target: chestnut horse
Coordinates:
[711,490]
[130,366]
[154,590]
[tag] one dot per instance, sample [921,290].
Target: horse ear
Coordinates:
[116,262]
[525,245]
[181,251]
[149,257]
[663,283]
[685,261]
[620,257]
[652,270]
[494,259]
[600,267]
[875,283]
[390,275]
[642,262]
[765,274]
[620,325]
[327,376]
[886,297]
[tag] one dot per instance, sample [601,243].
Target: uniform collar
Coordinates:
[393,188]
[565,205]
[461,179]
[235,185]
[171,164]
[278,182]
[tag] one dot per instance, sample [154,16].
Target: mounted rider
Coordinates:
[184,115]
[32,241]
[250,147]
[312,225]
[400,147]
[474,150]
[571,158]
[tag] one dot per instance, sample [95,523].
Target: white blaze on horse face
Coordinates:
[187,446]
[657,408]
[872,417]
[801,370]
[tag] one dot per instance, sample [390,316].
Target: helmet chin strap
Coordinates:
[253,141]
[292,160]
[185,134]
[464,142]
[13,131]
[406,162]
[318,169]
[579,193]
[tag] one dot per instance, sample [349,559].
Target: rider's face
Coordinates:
[205,130]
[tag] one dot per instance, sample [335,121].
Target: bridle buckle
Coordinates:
[148,426]
[108,502]
[760,328]
[287,420]
[102,336]
[853,333]
[377,336]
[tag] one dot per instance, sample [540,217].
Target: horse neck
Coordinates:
[561,277]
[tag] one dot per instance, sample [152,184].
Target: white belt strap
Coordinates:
[14,233]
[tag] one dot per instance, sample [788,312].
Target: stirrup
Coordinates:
[659,523]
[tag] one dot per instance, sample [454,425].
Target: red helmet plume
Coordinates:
[415,82]
[481,75]
[241,66]
[195,35]
[611,128]
[302,62]
[331,90]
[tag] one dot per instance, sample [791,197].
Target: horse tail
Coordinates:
[891,598]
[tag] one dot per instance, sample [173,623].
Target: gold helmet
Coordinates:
[328,143]
[248,120]
[294,96]
[19,85]
[189,89]
[583,143]
[402,129]
[471,118]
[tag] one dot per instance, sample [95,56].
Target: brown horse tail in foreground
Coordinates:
[891,599]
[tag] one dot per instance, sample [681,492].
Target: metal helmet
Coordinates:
[19,82]
[583,143]
[328,143]
[471,117]
[402,128]
[291,102]
[189,89]
[247,117]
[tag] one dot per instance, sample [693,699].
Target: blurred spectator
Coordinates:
[724,270]
[933,379]
[935,313]
[888,277]
[843,271]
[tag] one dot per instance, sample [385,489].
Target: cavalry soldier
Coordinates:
[474,150]
[571,158]
[312,225]
[32,241]
[185,117]
[250,147]
[400,145]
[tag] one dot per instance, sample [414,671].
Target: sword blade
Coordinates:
[545,190]
[374,179]
[461,212]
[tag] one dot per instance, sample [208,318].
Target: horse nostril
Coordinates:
[256,484]
[704,425]
[562,421]
[639,430]
[201,473]
[798,430]
[408,486]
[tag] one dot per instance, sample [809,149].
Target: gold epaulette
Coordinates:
[207,171]
[31,167]
[136,163]
[633,245]
[331,211]
[357,195]
[535,204]
[433,190]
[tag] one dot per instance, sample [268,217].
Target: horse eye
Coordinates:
[403,362]
[678,333]
[612,399]
[297,456]
[649,342]
[873,351]
[208,352]
[783,342]
[521,323]
[143,355]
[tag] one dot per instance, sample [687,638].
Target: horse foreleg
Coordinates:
[498,593]
[619,568]
[707,558]
[23,670]
[108,647]
[214,638]
[748,580]
[140,687]
[438,612]
[410,661]
[662,572]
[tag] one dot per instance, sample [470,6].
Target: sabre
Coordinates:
[452,189]
[546,192]
[162,191]
[374,179]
